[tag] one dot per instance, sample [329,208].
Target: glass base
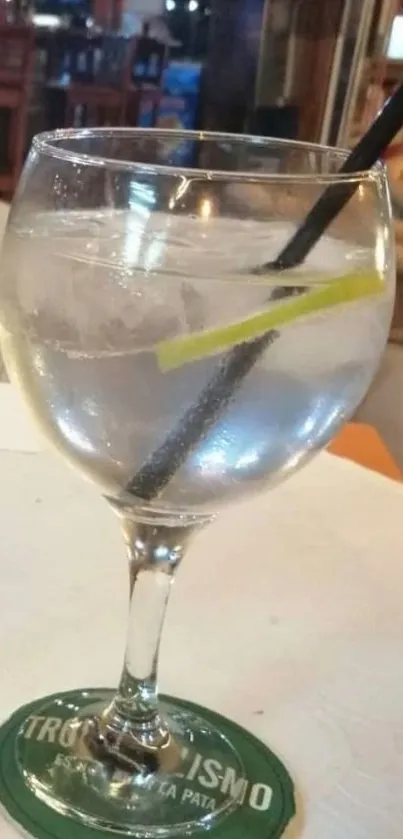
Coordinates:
[200,779]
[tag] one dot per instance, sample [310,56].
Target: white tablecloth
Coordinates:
[302,642]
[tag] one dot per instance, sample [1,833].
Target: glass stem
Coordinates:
[131,728]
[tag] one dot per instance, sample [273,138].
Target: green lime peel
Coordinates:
[175,352]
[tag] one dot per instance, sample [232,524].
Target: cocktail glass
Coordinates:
[128,289]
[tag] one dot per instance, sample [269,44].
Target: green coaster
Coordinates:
[41,732]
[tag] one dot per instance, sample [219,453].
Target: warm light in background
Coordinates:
[206,209]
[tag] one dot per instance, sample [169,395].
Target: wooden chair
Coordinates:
[130,73]
[150,61]
[103,100]
[70,53]
[16,61]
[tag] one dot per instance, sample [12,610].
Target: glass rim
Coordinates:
[51,143]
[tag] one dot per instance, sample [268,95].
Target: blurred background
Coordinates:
[309,69]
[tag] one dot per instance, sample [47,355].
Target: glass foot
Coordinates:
[199,780]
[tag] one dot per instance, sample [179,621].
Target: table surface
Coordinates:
[301,641]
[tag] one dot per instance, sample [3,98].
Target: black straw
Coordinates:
[163,463]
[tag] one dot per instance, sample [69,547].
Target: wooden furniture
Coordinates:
[130,72]
[69,53]
[146,80]
[103,100]
[16,61]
